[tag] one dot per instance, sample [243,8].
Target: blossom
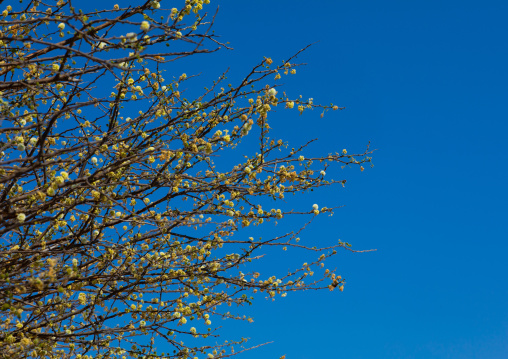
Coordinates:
[59,180]
[21,217]
[145,26]
[82,298]
[101,45]
[131,36]
[247,170]
[156,5]
[55,67]
[290,104]
[94,160]
[61,26]
[301,158]
[246,128]
[64,174]
[21,147]
[315,207]
[272,92]
[322,173]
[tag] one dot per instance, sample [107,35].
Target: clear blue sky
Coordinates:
[427,83]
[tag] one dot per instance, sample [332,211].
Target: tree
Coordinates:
[122,217]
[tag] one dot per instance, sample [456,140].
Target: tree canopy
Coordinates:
[123,201]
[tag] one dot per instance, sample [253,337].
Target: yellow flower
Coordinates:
[61,26]
[145,26]
[21,217]
[82,298]
[55,67]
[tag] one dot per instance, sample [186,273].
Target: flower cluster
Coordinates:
[126,210]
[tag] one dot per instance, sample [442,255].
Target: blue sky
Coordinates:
[426,83]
